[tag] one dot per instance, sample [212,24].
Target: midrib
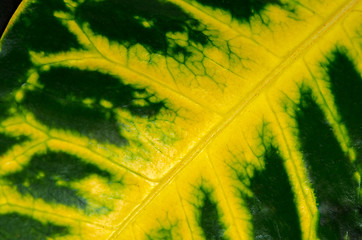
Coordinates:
[234,112]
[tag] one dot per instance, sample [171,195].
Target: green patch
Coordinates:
[48,176]
[14,226]
[242,10]
[36,29]
[95,123]
[77,85]
[273,209]
[330,171]
[209,217]
[7,142]
[61,103]
[14,63]
[164,233]
[145,22]
[346,87]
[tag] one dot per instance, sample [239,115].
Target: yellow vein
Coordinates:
[341,136]
[184,210]
[225,195]
[57,213]
[106,159]
[295,169]
[290,155]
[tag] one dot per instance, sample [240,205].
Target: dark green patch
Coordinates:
[346,86]
[74,84]
[14,226]
[60,103]
[6,142]
[14,63]
[36,29]
[124,21]
[48,176]
[95,123]
[242,10]
[209,218]
[330,171]
[273,209]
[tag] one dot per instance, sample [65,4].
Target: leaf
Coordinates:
[181,119]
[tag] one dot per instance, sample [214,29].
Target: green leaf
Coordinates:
[181,119]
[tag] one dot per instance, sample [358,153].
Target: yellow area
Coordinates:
[106,103]
[217,100]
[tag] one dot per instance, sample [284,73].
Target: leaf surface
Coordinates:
[181,119]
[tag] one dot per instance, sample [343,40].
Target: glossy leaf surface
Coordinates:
[181,119]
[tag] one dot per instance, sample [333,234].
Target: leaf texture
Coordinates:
[181,119]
